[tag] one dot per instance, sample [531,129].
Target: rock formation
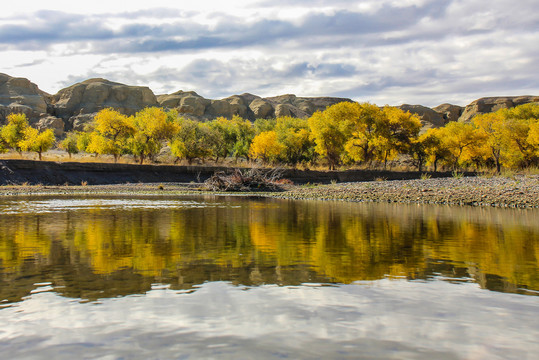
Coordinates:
[490,104]
[246,105]
[19,95]
[93,95]
[51,122]
[186,102]
[429,117]
[449,112]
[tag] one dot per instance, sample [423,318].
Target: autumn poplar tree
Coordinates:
[266,147]
[14,132]
[36,141]
[193,140]
[152,127]
[111,131]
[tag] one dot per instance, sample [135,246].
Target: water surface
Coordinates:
[232,277]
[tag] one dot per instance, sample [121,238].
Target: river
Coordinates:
[241,277]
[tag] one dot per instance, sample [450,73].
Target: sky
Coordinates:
[380,51]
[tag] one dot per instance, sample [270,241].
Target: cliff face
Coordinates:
[76,105]
[490,104]
[19,95]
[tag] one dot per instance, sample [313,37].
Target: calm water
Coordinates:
[231,277]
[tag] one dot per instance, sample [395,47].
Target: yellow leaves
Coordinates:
[154,123]
[36,141]
[533,136]
[265,147]
[113,124]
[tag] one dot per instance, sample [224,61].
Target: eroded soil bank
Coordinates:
[75,173]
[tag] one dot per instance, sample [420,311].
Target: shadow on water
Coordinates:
[92,248]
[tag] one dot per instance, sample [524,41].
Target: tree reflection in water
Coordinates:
[101,251]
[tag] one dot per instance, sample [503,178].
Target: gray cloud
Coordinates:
[430,53]
[50,27]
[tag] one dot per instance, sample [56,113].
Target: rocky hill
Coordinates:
[76,105]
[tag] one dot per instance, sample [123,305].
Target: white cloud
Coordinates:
[414,51]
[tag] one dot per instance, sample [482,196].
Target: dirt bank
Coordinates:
[74,173]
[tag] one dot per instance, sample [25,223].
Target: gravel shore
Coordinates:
[521,191]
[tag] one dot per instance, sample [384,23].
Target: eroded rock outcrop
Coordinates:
[449,112]
[51,122]
[186,102]
[429,118]
[490,104]
[93,95]
[19,95]
[246,105]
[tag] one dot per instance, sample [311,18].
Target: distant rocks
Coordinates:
[429,118]
[490,104]
[248,106]
[449,112]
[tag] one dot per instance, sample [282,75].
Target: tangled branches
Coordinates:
[248,180]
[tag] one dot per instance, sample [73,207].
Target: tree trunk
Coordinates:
[39,154]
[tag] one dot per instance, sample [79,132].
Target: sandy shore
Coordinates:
[521,191]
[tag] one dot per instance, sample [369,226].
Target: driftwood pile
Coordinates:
[247,180]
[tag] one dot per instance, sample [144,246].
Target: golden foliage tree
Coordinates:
[193,140]
[459,139]
[152,127]
[331,129]
[111,131]
[37,141]
[13,133]
[295,137]
[265,147]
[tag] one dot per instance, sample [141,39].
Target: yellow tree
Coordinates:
[232,137]
[193,140]
[533,136]
[152,127]
[331,129]
[518,123]
[111,131]
[69,144]
[432,146]
[13,133]
[395,131]
[294,135]
[458,138]
[491,127]
[265,147]
[36,141]
[368,131]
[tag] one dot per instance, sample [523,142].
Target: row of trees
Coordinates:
[344,134]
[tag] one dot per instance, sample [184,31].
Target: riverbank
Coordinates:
[520,191]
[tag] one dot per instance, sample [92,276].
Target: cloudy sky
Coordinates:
[383,51]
